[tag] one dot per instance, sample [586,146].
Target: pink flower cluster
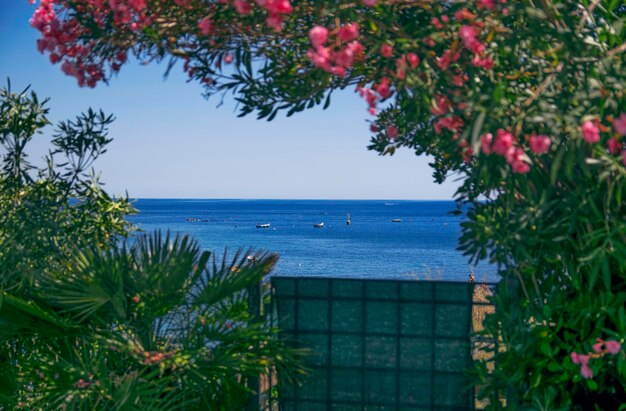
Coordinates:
[469,37]
[67,39]
[583,361]
[503,145]
[404,63]
[600,348]
[591,129]
[277,9]
[339,57]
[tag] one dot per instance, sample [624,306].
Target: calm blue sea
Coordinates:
[422,246]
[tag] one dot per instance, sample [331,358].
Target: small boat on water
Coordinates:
[396,220]
[266,225]
[348,219]
[319,225]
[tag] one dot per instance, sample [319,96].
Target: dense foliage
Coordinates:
[525,100]
[91,318]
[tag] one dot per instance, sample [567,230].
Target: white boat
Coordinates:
[320,225]
[263,225]
[396,220]
[348,219]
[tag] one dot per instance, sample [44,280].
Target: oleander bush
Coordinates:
[96,316]
[524,101]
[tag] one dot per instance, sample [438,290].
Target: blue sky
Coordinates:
[169,142]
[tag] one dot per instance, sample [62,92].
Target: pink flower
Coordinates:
[429,41]
[488,4]
[586,372]
[440,106]
[619,124]
[464,14]
[369,3]
[228,58]
[338,71]
[598,346]
[447,58]
[392,132]
[136,299]
[468,36]
[320,58]
[383,88]
[435,22]
[459,80]
[485,143]
[583,360]
[318,36]
[205,26]
[345,57]
[613,145]
[453,123]
[503,141]
[591,132]
[482,62]
[612,347]
[356,47]
[413,59]
[275,21]
[540,144]
[370,97]
[348,32]
[278,7]
[516,157]
[243,7]
[386,50]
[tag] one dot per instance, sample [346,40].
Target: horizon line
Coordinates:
[287,199]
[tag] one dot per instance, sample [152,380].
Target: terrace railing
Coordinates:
[379,344]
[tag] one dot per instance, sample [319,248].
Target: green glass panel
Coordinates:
[456,292]
[315,386]
[416,291]
[380,352]
[451,355]
[346,407]
[311,406]
[380,387]
[345,385]
[287,405]
[381,317]
[415,388]
[318,344]
[381,290]
[347,288]
[286,313]
[452,320]
[346,350]
[314,287]
[313,315]
[347,316]
[284,286]
[416,318]
[450,391]
[416,353]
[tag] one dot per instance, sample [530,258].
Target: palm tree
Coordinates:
[156,324]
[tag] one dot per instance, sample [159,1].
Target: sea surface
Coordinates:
[422,245]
